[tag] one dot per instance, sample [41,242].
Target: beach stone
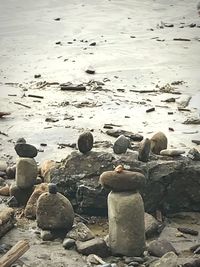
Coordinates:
[2,174]
[3,165]
[93,246]
[172,152]
[168,260]
[30,209]
[52,188]
[151,225]
[85,142]
[5,191]
[68,243]
[122,181]
[11,171]
[144,150]
[80,232]
[21,140]
[160,247]
[126,223]
[46,235]
[25,150]
[158,142]
[26,172]
[2,182]
[45,168]
[193,154]
[121,145]
[22,195]
[54,211]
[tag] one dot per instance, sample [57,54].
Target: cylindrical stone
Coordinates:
[26,172]
[126,223]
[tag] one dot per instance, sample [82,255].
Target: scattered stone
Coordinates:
[11,171]
[46,235]
[5,190]
[30,209]
[169,100]
[26,172]
[159,248]
[126,223]
[118,132]
[121,145]
[144,150]
[2,114]
[197,142]
[22,195]
[25,150]
[194,121]
[80,232]
[68,243]
[90,70]
[187,231]
[12,202]
[122,181]
[93,44]
[151,225]
[182,39]
[51,119]
[193,154]
[7,220]
[150,110]
[36,76]
[158,142]
[54,211]
[94,246]
[172,152]
[167,260]
[85,142]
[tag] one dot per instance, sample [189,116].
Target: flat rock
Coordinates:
[80,232]
[159,248]
[122,181]
[172,152]
[131,135]
[25,150]
[94,246]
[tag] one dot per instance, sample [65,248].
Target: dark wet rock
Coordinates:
[172,152]
[21,140]
[151,225]
[46,235]
[25,150]
[2,182]
[121,145]
[36,76]
[122,181]
[2,174]
[90,70]
[118,132]
[94,246]
[193,154]
[22,195]
[26,172]
[11,171]
[85,142]
[187,231]
[158,142]
[167,260]
[144,150]
[12,202]
[52,188]
[159,248]
[68,243]
[93,44]
[80,232]
[54,211]
[171,185]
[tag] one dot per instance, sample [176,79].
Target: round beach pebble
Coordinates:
[172,152]
[144,150]
[25,150]
[158,142]
[122,180]
[54,211]
[85,142]
[121,145]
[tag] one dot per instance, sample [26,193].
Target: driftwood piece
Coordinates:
[14,253]
[7,220]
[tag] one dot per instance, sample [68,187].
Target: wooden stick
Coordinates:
[14,253]
[18,103]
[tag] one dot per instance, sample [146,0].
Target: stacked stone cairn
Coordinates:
[26,172]
[125,211]
[54,211]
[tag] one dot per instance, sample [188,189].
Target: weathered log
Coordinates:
[7,220]
[14,253]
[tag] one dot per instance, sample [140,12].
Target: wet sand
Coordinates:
[132,52]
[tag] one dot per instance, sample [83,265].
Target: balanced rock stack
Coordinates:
[54,211]
[125,211]
[26,171]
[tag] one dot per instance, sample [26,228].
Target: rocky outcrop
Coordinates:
[172,184]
